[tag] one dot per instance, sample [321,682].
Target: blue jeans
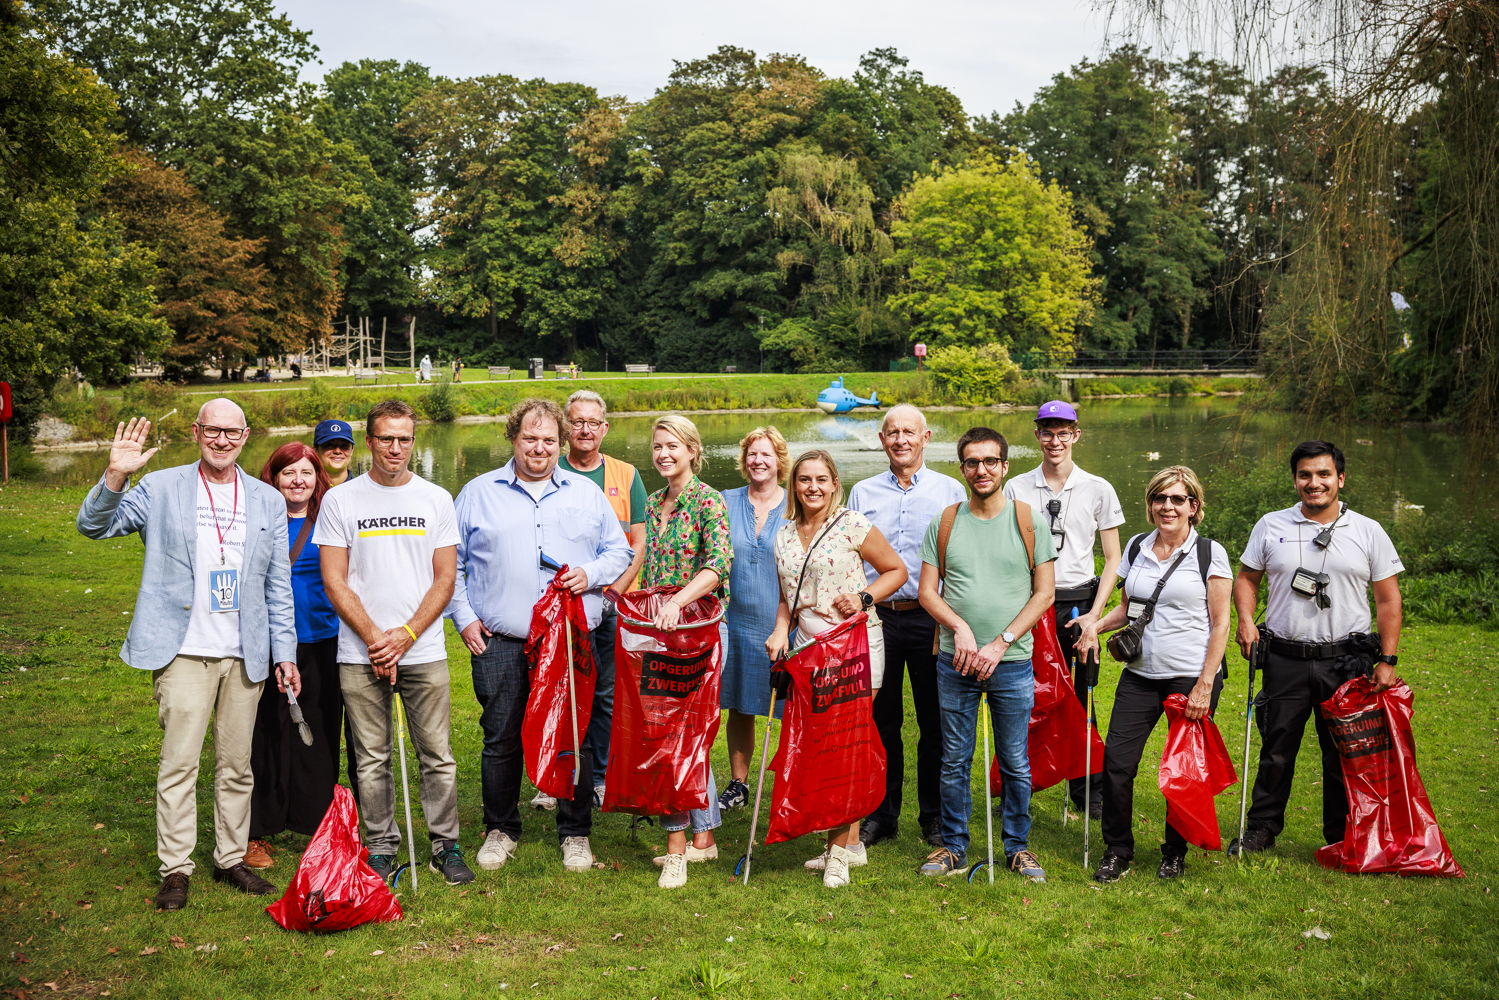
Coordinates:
[1011,690]
[603,693]
[700,820]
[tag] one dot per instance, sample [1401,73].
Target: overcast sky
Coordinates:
[991,53]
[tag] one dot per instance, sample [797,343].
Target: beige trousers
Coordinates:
[189,691]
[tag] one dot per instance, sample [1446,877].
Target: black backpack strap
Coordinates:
[1204,557]
[1131,553]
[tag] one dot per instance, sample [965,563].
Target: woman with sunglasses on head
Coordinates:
[820,555]
[1181,652]
[293,781]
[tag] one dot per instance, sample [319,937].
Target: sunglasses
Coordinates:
[1174,499]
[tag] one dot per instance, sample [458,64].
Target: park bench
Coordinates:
[566,371]
[730,370]
[495,371]
[366,376]
[640,369]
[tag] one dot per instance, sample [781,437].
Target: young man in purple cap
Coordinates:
[334,442]
[1079,508]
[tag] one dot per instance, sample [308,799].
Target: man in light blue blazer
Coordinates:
[214,609]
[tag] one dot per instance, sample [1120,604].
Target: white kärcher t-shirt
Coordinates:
[1088,505]
[1360,553]
[1175,642]
[216,573]
[391,533]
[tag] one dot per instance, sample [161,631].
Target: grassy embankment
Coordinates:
[77,872]
[286,404]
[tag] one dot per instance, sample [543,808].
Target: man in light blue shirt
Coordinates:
[506,520]
[902,503]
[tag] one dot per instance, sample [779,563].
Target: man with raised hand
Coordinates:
[507,519]
[1079,508]
[587,426]
[902,502]
[387,541]
[987,578]
[1321,560]
[214,609]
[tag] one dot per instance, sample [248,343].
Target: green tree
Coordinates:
[1107,133]
[73,292]
[992,254]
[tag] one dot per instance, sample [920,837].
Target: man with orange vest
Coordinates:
[588,424]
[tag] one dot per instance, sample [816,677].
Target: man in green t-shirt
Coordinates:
[986,592]
[588,425]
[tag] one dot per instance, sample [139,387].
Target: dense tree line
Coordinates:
[177,192]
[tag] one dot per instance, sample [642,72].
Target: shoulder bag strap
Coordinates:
[808,559]
[302,538]
[944,532]
[1149,612]
[1027,532]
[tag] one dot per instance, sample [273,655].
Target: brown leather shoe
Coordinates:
[244,880]
[258,855]
[173,892]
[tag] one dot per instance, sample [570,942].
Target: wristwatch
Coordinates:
[1389,658]
[866,600]
[1008,637]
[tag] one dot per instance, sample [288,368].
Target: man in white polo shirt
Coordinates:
[1322,560]
[1079,508]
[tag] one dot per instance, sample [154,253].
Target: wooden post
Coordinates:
[5,451]
[411,339]
[383,320]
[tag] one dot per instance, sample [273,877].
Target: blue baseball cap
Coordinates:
[1056,410]
[332,430]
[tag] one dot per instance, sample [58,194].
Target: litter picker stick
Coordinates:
[749,848]
[1254,659]
[988,793]
[1067,785]
[405,784]
[572,695]
[1090,666]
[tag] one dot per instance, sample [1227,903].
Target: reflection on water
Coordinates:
[1124,441]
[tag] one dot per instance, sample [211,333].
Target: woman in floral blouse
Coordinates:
[820,557]
[687,545]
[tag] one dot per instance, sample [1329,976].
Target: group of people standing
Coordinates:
[338,585]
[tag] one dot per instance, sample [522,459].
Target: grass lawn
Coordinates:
[77,869]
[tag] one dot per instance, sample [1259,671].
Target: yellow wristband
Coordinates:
[409,632]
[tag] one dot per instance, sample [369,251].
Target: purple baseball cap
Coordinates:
[1056,410]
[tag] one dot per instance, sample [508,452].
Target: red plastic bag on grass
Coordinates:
[665,705]
[334,887]
[830,764]
[1058,719]
[1195,766]
[547,733]
[1391,825]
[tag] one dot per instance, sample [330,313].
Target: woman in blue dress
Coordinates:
[756,513]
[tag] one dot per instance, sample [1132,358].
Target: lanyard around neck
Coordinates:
[233,513]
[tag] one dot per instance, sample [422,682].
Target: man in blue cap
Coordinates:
[334,442]
[1080,508]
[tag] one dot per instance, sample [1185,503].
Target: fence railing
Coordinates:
[1211,359]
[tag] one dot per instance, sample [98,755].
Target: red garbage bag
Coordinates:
[830,764]
[1195,766]
[334,887]
[557,716]
[1391,825]
[665,705]
[1058,719]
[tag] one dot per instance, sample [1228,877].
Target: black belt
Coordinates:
[505,638]
[1308,650]
[1077,595]
[900,606]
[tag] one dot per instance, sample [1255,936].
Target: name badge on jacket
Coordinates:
[223,590]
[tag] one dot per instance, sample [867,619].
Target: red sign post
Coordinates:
[920,353]
[5,432]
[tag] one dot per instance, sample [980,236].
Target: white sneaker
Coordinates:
[856,856]
[835,874]
[694,854]
[543,801]
[498,848]
[673,872]
[577,856]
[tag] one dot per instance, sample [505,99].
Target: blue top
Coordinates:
[752,615]
[316,619]
[902,515]
[502,533]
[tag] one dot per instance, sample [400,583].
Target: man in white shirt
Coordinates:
[1321,560]
[1079,508]
[388,543]
[901,502]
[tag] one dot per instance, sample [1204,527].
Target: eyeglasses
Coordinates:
[588,425]
[1174,499]
[230,434]
[990,463]
[391,441]
[1058,531]
[1062,436]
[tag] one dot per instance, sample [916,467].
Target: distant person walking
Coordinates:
[426,368]
[214,610]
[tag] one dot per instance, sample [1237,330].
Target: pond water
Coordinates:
[1390,468]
